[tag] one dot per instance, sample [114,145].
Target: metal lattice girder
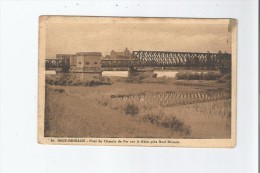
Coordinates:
[57,63]
[182,59]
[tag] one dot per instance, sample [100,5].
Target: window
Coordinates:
[79,62]
[87,63]
[95,62]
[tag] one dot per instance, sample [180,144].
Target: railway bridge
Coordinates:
[158,59]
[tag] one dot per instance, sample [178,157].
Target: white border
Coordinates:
[19,150]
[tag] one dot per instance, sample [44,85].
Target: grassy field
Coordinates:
[87,110]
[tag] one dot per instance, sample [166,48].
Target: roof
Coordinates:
[65,54]
[89,53]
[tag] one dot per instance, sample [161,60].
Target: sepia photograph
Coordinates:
[137,81]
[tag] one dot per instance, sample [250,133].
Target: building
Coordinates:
[88,61]
[82,61]
[126,54]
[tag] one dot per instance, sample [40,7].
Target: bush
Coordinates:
[96,81]
[141,77]
[198,76]
[102,78]
[133,72]
[225,70]
[59,90]
[131,109]
[213,75]
[86,83]
[64,82]
[226,77]
[56,82]
[77,83]
[154,75]
[176,125]
[168,122]
[133,79]
[154,119]
[69,83]
[103,102]
[50,81]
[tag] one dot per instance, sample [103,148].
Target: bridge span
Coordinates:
[157,59]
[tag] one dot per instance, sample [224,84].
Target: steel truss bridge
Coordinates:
[159,59]
[172,59]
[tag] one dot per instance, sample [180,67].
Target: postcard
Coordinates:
[137,81]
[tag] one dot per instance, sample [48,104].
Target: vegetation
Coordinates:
[67,81]
[224,70]
[154,75]
[96,113]
[202,120]
[131,109]
[59,90]
[168,122]
[198,75]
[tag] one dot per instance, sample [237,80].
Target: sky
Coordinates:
[69,38]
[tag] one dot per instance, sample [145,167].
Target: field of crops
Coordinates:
[138,106]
